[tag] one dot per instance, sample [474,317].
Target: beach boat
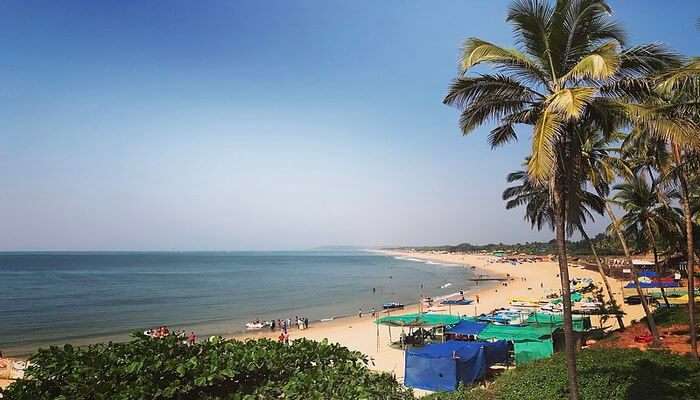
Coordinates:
[525,303]
[448,284]
[392,306]
[553,308]
[256,325]
[507,317]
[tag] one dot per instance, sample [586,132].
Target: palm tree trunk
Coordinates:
[652,239]
[645,305]
[570,345]
[691,251]
[604,277]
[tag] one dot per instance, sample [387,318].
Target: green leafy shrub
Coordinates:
[222,369]
[670,316]
[604,374]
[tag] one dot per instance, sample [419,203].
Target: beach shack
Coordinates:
[443,366]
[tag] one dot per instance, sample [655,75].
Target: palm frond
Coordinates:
[531,20]
[570,102]
[601,63]
[477,51]
[547,131]
[501,135]
[663,122]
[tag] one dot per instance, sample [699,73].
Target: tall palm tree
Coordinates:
[646,218]
[676,101]
[538,211]
[603,168]
[567,53]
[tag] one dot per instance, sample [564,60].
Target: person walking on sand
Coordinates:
[374,313]
[359,313]
[477,299]
[306,323]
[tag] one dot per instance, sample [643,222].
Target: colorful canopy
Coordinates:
[418,320]
[652,284]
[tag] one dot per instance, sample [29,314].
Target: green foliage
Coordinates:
[605,374]
[464,393]
[610,374]
[605,245]
[221,369]
[674,315]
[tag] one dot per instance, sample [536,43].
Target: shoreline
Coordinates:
[525,280]
[225,328]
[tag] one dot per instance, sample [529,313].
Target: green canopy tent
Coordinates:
[516,333]
[581,323]
[530,342]
[416,320]
[575,298]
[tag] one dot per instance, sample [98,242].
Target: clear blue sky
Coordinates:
[256,124]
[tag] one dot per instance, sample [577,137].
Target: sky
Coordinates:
[257,124]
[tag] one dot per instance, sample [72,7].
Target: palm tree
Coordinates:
[567,54]
[675,102]
[646,218]
[538,211]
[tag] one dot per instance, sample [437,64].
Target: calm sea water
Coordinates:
[54,298]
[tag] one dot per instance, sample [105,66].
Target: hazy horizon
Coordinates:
[253,125]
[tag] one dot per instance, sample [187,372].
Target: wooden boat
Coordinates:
[393,306]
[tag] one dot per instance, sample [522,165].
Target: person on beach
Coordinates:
[306,323]
[280,338]
[192,339]
[359,313]
[286,338]
[272,325]
[374,313]
[477,299]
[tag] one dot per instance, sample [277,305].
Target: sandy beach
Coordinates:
[531,280]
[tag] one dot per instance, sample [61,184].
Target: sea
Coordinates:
[87,297]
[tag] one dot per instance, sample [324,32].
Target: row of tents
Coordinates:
[442,366]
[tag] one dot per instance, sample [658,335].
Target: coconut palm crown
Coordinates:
[569,63]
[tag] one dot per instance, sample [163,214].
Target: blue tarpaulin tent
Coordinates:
[467,327]
[442,366]
[653,284]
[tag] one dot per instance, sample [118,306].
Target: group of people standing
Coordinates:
[285,325]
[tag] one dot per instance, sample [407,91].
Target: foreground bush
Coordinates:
[604,374]
[167,369]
